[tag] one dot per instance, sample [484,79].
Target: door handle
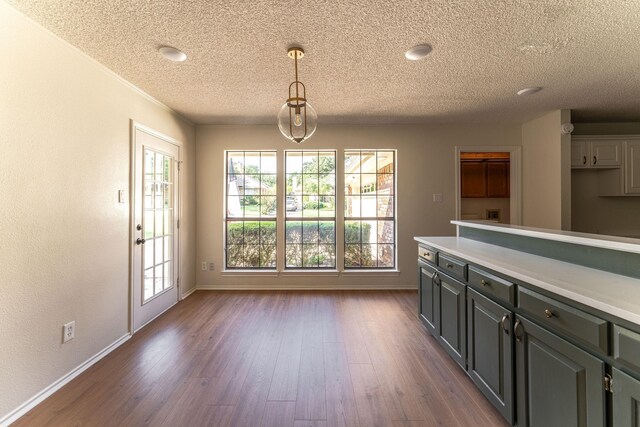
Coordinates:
[517,325]
[140,241]
[595,160]
[504,321]
[584,160]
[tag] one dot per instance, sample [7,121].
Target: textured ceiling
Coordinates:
[586,55]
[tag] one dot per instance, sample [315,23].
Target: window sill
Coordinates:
[237,273]
[371,272]
[333,273]
[323,272]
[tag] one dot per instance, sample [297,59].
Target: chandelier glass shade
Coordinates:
[297,119]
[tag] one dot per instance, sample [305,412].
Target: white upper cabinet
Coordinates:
[632,167]
[617,160]
[596,152]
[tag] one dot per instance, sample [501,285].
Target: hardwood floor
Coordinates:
[275,358]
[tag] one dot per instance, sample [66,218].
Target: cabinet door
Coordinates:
[606,153]
[490,351]
[626,400]
[632,168]
[429,298]
[579,153]
[498,179]
[452,328]
[473,179]
[558,384]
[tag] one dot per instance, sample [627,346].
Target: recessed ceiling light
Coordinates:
[529,91]
[173,54]
[418,52]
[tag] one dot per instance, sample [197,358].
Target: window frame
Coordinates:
[244,219]
[377,218]
[318,219]
[280,219]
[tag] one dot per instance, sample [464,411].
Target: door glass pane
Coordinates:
[148,283]
[157,223]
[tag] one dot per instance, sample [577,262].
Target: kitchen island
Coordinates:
[546,323]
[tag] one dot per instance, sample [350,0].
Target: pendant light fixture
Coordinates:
[297,119]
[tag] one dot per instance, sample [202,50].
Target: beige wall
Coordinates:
[64,238]
[477,207]
[546,172]
[426,165]
[603,215]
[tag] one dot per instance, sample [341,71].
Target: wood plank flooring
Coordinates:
[275,358]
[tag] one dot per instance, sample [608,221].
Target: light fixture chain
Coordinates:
[295,60]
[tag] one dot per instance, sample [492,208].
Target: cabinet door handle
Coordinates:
[548,313]
[517,326]
[584,160]
[595,160]
[435,278]
[449,265]
[484,282]
[504,324]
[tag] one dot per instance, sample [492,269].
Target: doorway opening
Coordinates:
[488,184]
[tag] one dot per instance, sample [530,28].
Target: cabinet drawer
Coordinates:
[493,285]
[583,326]
[626,347]
[453,266]
[427,254]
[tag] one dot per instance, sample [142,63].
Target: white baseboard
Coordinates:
[188,293]
[57,385]
[303,287]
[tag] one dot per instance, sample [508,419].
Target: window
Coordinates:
[251,209]
[310,205]
[369,218]
[280,210]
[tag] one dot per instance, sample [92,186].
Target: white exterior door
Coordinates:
[155,227]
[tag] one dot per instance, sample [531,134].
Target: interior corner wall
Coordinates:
[64,238]
[425,165]
[545,164]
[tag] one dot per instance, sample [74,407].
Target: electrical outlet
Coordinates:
[204,266]
[68,331]
[212,266]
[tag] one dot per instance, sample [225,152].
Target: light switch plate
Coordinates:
[123,196]
[437,197]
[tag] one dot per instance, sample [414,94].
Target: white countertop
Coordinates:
[625,244]
[611,293]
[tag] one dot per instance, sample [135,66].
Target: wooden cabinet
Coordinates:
[540,360]
[473,179]
[452,320]
[442,309]
[626,400]
[596,152]
[558,384]
[490,351]
[498,179]
[485,178]
[429,302]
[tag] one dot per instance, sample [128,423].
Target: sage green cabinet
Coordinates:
[490,351]
[452,328]
[558,384]
[429,297]
[626,400]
